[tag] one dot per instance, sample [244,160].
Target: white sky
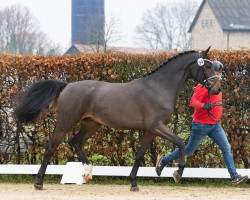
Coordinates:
[54,17]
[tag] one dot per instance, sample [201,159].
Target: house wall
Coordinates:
[210,33]
[204,36]
[237,40]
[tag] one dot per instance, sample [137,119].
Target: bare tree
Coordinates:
[19,33]
[100,36]
[166,26]
[111,32]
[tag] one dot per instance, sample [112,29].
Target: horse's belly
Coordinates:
[119,120]
[117,124]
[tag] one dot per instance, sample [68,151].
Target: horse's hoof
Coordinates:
[87,178]
[38,187]
[134,189]
[88,172]
[177,177]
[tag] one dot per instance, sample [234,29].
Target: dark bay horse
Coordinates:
[144,104]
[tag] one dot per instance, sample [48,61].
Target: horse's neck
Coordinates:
[173,75]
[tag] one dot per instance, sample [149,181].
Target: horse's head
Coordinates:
[204,72]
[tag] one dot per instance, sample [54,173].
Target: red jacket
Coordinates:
[199,98]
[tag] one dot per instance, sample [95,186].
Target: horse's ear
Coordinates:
[206,52]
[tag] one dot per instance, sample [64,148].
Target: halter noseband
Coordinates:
[208,80]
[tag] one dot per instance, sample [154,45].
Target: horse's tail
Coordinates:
[37,97]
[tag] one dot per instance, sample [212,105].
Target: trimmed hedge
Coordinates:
[26,144]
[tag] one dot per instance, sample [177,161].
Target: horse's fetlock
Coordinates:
[131,177]
[181,166]
[40,176]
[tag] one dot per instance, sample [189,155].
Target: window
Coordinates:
[211,22]
[203,23]
[207,22]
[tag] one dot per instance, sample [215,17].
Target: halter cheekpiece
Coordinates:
[207,81]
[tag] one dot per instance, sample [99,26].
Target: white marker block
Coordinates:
[73,173]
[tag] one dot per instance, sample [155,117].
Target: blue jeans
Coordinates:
[198,133]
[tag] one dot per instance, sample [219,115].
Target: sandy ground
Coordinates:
[10,191]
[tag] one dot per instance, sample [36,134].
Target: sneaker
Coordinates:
[239,179]
[158,166]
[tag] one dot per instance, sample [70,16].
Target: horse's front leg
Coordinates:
[164,132]
[146,139]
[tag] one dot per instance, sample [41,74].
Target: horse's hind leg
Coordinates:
[51,146]
[64,124]
[88,128]
[145,141]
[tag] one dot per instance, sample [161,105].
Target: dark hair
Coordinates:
[218,66]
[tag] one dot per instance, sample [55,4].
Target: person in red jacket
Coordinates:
[205,123]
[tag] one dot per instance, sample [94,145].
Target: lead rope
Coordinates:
[208,111]
[216,103]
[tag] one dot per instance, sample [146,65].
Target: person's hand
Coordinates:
[208,106]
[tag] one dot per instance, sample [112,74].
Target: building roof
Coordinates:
[81,48]
[232,15]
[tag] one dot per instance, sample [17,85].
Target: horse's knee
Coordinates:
[180,144]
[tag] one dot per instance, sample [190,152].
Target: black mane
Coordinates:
[166,62]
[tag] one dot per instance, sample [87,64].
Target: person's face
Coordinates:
[219,74]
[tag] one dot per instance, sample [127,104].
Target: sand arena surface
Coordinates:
[9,191]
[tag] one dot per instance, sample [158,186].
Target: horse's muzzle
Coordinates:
[210,82]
